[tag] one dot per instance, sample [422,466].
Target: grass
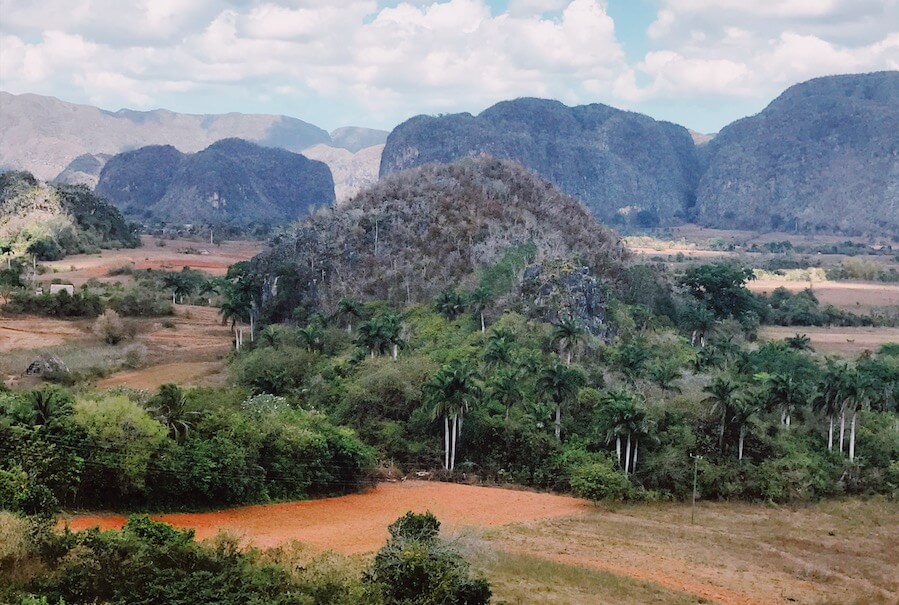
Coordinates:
[519,578]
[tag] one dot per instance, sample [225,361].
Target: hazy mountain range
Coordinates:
[822,156]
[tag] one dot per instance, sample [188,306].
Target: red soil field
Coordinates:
[358,523]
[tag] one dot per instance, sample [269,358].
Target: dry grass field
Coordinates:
[187,349]
[541,548]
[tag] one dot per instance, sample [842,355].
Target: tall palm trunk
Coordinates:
[568,357]
[852,437]
[396,350]
[842,426]
[618,448]
[452,466]
[558,422]
[742,438]
[446,441]
[830,434]
[636,447]
[721,428]
[483,324]
[627,454]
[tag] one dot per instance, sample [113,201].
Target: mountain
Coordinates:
[626,167]
[351,171]
[43,134]
[414,233]
[55,220]
[231,181]
[354,138]
[83,170]
[823,156]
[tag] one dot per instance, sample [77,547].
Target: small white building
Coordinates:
[57,288]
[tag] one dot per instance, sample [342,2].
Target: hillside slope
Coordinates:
[231,181]
[626,167]
[822,156]
[417,232]
[43,134]
[58,219]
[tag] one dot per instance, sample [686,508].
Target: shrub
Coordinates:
[110,328]
[600,481]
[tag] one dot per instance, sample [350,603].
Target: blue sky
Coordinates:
[700,63]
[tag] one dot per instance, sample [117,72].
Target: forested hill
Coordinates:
[822,156]
[54,220]
[232,181]
[626,167]
[415,233]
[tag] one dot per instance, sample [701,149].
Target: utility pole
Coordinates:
[696,460]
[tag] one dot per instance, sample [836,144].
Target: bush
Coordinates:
[110,328]
[276,371]
[600,481]
[415,566]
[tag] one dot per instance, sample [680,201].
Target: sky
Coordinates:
[375,63]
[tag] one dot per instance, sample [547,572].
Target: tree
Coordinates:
[664,372]
[450,304]
[721,287]
[210,288]
[505,389]
[831,398]
[568,334]
[743,410]
[46,404]
[799,342]
[6,250]
[450,393]
[479,299]
[623,420]
[311,335]
[560,384]
[499,348]
[785,393]
[392,329]
[349,310]
[169,408]
[723,394]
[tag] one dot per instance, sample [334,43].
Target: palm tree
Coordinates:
[499,348]
[479,300]
[786,394]
[370,335]
[505,389]
[560,384]
[169,407]
[831,399]
[210,288]
[6,250]
[568,334]
[859,394]
[664,373]
[799,342]
[450,393]
[47,403]
[391,324]
[311,336]
[271,336]
[723,394]
[743,410]
[450,304]
[620,409]
[349,309]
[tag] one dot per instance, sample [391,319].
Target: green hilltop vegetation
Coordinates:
[51,221]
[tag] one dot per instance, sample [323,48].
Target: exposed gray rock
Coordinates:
[561,289]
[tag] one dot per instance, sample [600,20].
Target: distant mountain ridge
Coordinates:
[43,135]
[232,181]
[822,156]
[626,167]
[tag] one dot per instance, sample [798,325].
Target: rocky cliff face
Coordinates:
[560,289]
[822,156]
[626,167]
[351,171]
[231,181]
